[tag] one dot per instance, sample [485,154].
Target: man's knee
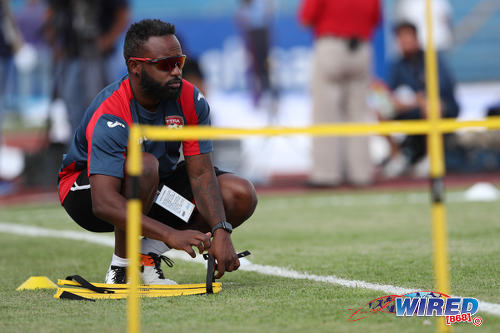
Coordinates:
[239,196]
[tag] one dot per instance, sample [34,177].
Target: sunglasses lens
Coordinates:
[168,64]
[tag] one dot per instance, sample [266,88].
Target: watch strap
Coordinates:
[223,225]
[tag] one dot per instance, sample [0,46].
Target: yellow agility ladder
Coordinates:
[77,288]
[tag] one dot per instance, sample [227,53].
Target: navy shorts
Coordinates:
[78,202]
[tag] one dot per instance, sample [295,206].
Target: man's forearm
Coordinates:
[208,197]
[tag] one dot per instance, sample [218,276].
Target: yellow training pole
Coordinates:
[134,213]
[435,148]
[158,133]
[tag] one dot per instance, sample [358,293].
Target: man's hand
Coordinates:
[223,251]
[186,239]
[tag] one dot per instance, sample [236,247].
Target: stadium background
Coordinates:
[209,33]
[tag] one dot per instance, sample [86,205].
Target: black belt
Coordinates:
[353,43]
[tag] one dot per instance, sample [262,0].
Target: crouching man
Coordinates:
[93,182]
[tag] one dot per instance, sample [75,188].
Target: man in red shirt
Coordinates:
[342,71]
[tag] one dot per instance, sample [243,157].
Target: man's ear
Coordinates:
[133,67]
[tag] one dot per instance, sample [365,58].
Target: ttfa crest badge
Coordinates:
[174,121]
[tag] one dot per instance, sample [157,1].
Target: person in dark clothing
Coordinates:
[83,34]
[10,42]
[254,19]
[407,82]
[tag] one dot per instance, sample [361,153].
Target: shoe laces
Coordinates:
[157,260]
[119,273]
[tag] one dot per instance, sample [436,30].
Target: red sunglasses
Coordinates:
[166,64]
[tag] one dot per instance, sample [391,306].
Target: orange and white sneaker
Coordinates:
[151,272]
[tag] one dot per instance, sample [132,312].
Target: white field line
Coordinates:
[246,265]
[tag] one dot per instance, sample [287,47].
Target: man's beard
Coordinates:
[155,90]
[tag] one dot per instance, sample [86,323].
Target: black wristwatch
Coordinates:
[223,225]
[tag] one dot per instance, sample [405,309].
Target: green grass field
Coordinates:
[377,237]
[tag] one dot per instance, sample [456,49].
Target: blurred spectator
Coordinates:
[10,42]
[342,74]
[254,17]
[30,20]
[83,34]
[193,73]
[414,11]
[407,82]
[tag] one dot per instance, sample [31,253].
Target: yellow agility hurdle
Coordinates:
[158,133]
[434,127]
